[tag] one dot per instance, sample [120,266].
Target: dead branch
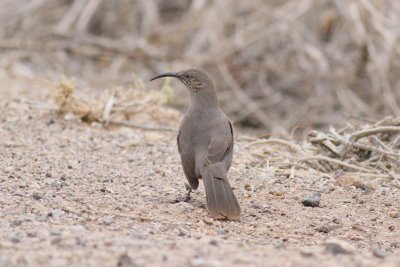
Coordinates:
[364,133]
[337,162]
[141,127]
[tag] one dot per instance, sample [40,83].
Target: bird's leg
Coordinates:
[189,190]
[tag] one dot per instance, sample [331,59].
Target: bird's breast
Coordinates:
[202,125]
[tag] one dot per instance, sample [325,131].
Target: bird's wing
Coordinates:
[188,164]
[221,148]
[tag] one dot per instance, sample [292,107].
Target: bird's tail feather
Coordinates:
[221,201]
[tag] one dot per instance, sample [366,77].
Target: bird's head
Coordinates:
[194,79]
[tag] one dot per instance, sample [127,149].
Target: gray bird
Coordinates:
[205,144]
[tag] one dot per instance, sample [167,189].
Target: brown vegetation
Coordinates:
[284,66]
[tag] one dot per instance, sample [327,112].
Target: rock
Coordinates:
[56,213]
[356,237]
[307,252]
[208,221]
[197,261]
[336,247]
[18,193]
[55,232]
[48,174]
[126,261]
[378,252]
[248,187]
[278,194]
[394,214]
[108,220]
[58,184]
[31,234]
[36,196]
[140,234]
[15,223]
[221,231]
[257,206]
[183,232]
[42,218]
[213,242]
[15,239]
[8,169]
[56,241]
[189,208]
[324,229]
[50,122]
[312,200]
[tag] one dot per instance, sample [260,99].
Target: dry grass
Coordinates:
[369,151]
[119,106]
[283,66]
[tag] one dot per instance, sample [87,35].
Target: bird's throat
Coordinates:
[204,99]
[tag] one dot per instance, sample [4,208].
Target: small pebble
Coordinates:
[213,242]
[15,223]
[323,229]
[189,208]
[36,196]
[356,237]
[58,184]
[378,252]
[15,240]
[31,234]
[56,213]
[257,206]
[336,247]
[55,232]
[56,241]
[248,187]
[48,174]
[108,220]
[221,231]
[8,169]
[126,261]
[42,218]
[18,194]
[183,232]
[140,234]
[312,200]
[306,252]
[197,261]
[50,122]
[208,221]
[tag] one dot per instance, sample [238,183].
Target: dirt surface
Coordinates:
[74,194]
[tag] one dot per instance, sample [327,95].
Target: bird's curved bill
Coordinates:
[166,74]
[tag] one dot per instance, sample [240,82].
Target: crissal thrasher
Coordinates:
[205,144]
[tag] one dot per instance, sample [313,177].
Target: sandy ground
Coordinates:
[73,194]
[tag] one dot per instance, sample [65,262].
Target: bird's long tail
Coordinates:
[221,202]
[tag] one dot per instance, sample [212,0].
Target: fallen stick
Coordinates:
[363,133]
[146,128]
[335,161]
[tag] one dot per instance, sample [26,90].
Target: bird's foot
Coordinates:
[189,190]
